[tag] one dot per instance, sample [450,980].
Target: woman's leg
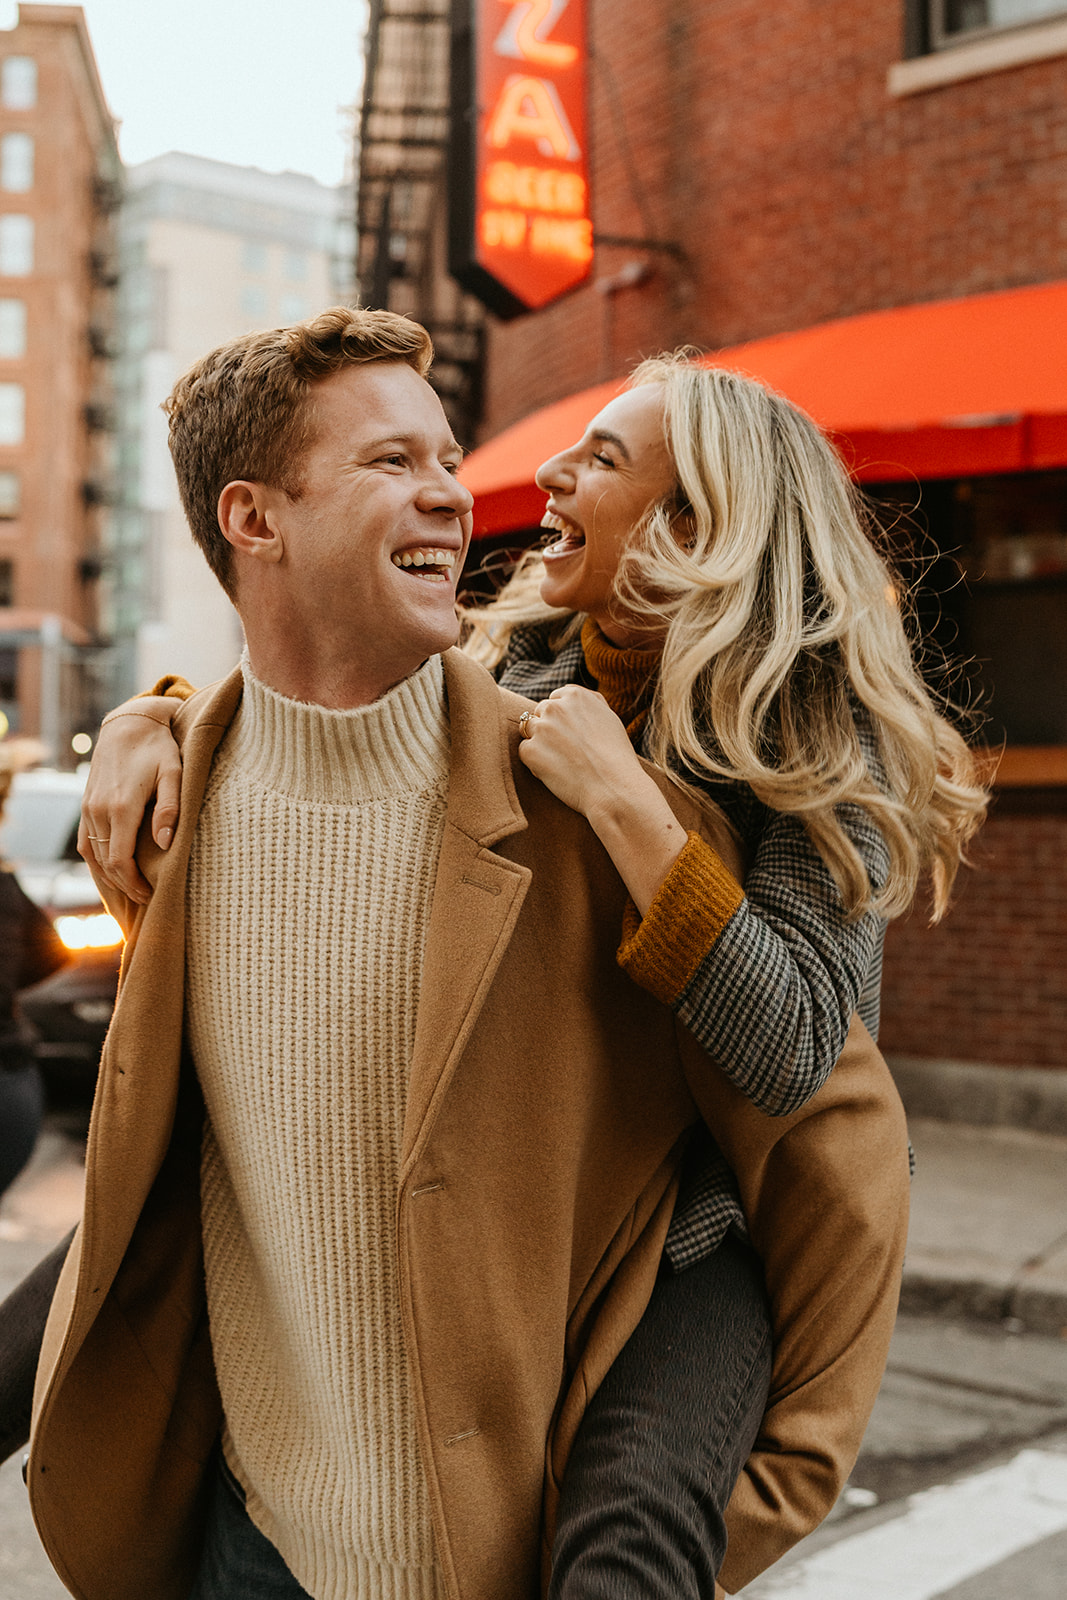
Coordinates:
[659,1450]
[238,1562]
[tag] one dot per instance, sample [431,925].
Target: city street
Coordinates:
[960,1492]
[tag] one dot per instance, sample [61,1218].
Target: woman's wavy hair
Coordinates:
[780,615]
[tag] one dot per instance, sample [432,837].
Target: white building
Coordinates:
[207,251]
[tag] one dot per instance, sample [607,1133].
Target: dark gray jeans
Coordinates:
[655,1461]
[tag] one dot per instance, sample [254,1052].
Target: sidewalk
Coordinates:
[988,1235]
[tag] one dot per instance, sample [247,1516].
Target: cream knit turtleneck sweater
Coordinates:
[308,900]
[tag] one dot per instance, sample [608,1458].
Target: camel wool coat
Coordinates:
[549,1105]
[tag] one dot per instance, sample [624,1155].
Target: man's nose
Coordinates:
[446,493]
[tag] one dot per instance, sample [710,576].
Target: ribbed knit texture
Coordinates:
[626,678]
[699,896]
[662,950]
[308,900]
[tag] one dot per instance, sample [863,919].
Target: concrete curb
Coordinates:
[987,1238]
[941,1291]
[1034,1098]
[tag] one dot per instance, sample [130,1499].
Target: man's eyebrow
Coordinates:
[407,440]
[603,436]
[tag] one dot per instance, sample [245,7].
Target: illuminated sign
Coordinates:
[520,231]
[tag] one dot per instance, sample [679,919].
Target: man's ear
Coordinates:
[247,521]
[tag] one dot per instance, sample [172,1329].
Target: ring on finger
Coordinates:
[524,724]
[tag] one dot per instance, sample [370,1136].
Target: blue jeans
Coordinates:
[238,1562]
[653,1466]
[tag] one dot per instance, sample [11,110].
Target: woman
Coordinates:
[712,577]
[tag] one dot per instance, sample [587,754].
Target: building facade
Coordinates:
[207,251]
[761,172]
[59,192]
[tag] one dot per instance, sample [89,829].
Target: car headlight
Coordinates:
[94,930]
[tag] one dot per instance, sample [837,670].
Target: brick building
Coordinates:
[847,172]
[59,189]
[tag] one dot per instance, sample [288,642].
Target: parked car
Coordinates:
[70,1011]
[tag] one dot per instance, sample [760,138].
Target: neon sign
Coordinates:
[521,231]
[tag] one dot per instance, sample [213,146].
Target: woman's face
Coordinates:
[598,491]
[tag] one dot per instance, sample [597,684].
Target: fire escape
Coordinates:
[403,196]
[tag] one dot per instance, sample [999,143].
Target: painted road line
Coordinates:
[944,1536]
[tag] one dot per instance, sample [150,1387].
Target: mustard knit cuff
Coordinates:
[692,906]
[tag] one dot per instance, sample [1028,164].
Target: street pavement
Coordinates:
[960,1492]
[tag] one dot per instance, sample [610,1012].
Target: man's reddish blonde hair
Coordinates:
[242,411]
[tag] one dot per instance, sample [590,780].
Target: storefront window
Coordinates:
[988,561]
[952,21]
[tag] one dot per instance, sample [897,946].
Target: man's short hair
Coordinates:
[242,411]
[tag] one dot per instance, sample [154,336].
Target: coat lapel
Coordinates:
[477,894]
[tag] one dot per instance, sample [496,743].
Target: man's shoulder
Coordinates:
[207,708]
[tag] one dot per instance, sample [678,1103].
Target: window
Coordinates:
[16,163]
[952,21]
[12,413]
[18,83]
[254,256]
[296,266]
[990,595]
[12,329]
[9,496]
[16,246]
[7,583]
[294,307]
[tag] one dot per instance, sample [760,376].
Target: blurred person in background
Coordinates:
[30,949]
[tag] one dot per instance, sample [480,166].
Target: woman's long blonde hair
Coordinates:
[779,609]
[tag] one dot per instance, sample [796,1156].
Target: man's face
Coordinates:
[375,543]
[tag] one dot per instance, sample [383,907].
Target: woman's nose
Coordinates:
[553,473]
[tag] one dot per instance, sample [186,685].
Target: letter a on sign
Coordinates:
[520,229]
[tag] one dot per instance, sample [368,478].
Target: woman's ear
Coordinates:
[247,523]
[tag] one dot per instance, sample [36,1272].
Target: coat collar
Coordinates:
[484,724]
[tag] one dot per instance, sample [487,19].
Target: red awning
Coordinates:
[949,389]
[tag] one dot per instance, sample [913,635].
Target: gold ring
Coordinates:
[524,724]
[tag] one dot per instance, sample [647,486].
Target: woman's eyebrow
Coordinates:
[602,436]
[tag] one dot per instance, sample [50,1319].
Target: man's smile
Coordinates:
[426,562]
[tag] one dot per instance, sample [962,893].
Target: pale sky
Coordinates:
[261,83]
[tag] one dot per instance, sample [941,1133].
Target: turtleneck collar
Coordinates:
[625,677]
[398,744]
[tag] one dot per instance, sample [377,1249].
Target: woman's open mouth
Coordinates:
[571,537]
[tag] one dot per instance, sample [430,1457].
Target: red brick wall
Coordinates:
[765,143]
[989,983]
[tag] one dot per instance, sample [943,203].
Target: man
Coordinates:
[385,1145]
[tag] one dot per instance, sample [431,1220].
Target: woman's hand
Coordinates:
[135,759]
[579,749]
